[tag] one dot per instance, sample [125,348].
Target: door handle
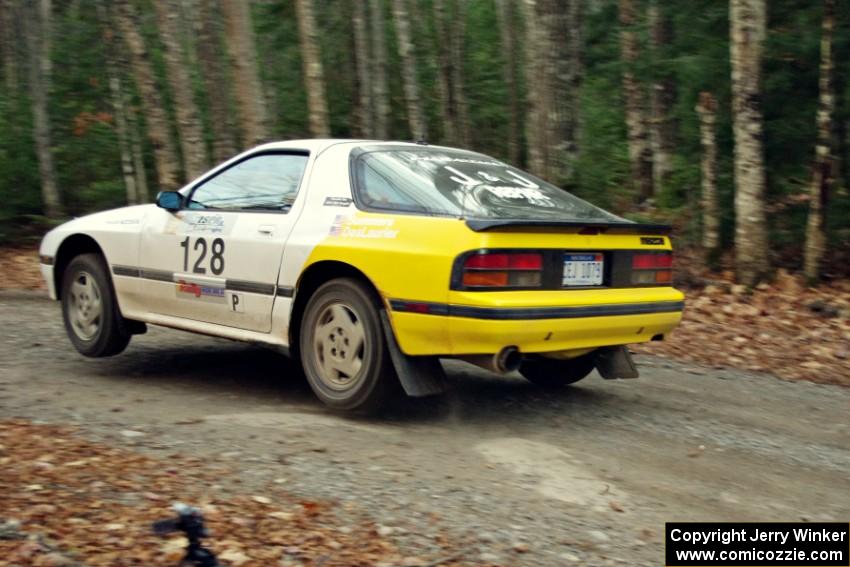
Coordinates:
[267,229]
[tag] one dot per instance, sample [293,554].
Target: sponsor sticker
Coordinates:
[337,201]
[363,227]
[205,223]
[203,292]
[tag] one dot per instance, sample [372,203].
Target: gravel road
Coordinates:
[521,477]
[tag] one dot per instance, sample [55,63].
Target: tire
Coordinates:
[554,373]
[343,350]
[90,310]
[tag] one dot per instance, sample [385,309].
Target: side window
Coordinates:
[265,182]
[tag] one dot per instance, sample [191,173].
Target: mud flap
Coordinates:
[615,362]
[420,376]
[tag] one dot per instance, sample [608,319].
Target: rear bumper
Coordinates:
[457,330]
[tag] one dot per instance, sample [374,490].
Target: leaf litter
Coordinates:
[65,500]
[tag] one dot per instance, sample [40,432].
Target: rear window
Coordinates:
[445,182]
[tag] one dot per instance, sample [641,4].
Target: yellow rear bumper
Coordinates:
[488,327]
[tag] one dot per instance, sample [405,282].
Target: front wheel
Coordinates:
[342,346]
[90,310]
[554,373]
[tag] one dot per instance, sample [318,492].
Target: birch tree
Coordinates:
[640,151]
[707,110]
[123,133]
[189,128]
[537,88]
[662,96]
[748,28]
[119,104]
[413,102]
[39,35]
[565,45]
[314,75]
[822,175]
[553,78]
[137,153]
[156,119]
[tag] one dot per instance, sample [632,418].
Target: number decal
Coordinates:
[202,244]
[216,262]
[185,246]
[217,258]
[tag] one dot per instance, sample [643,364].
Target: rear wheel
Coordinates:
[90,310]
[554,373]
[343,350]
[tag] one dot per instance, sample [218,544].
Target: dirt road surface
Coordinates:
[587,475]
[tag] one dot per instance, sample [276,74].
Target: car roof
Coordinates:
[320,144]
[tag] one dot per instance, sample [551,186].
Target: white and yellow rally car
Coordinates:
[368,261]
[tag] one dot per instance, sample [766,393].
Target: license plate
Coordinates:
[582,269]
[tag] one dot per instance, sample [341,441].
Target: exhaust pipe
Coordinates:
[506,360]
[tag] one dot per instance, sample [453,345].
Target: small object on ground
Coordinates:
[190,521]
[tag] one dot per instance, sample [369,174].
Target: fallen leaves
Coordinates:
[783,328]
[68,501]
[19,268]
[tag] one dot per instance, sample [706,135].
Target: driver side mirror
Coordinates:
[169,200]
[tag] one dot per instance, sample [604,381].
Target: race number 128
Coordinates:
[216,261]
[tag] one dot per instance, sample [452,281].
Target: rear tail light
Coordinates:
[503,270]
[654,268]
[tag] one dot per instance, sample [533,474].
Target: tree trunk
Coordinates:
[444,74]
[415,113]
[748,29]
[707,110]
[364,109]
[189,127]
[137,153]
[164,151]
[8,45]
[213,75]
[507,27]
[380,90]
[119,106]
[314,75]
[822,177]
[454,113]
[553,78]
[565,49]
[246,75]
[457,33]
[662,97]
[537,87]
[640,152]
[38,44]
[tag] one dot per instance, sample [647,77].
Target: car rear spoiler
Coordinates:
[483,225]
